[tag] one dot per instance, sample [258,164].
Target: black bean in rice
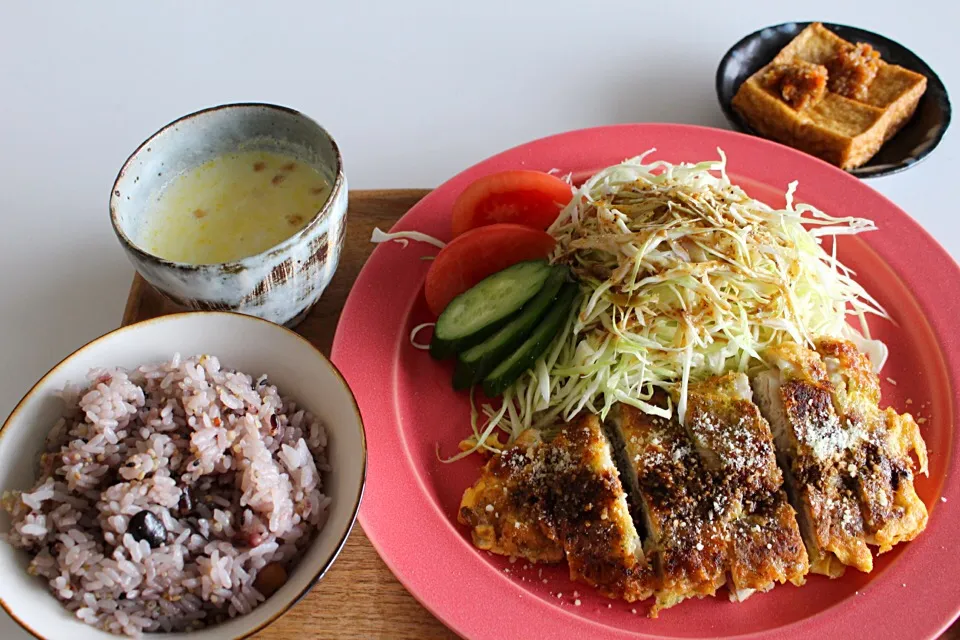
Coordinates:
[228,469]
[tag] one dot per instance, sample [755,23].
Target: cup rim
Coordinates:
[325,567]
[231,266]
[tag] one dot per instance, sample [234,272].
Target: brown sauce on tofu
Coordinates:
[799,83]
[852,70]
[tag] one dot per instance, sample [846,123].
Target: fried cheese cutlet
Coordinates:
[730,434]
[881,466]
[766,547]
[583,506]
[674,495]
[795,397]
[709,492]
[734,442]
[544,501]
[496,508]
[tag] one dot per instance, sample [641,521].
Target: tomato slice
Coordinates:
[478,253]
[530,198]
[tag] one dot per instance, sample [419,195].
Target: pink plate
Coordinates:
[409,408]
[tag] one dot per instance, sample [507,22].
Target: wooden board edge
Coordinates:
[132,307]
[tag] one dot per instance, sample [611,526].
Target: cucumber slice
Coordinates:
[533,347]
[481,310]
[475,363]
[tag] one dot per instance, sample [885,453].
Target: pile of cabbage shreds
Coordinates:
[684,276]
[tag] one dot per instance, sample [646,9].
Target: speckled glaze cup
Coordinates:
[280,284]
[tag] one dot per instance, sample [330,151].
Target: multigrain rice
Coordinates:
[229,467]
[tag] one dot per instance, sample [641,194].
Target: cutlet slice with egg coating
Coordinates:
[729,433]
[881,465]
[546,501]
[735,444]
[681,508]
[498,509]
[796,398]
[766,547]
[577,488]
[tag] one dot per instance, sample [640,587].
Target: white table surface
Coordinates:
[413,92]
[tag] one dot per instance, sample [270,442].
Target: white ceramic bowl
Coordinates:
[241,342]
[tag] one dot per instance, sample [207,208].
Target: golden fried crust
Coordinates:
[766,547]
[823,495]
[583,506]
[710,492]
[852,464]
[843,131]
[855,385]
[544,502]
[881,466]
[683,508]
[730,434]
[501,519]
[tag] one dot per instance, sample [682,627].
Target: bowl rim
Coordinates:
[325,567]
[864,171]
[231,266]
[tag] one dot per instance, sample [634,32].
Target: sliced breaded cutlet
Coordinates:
[882,462]
[497,510]
[584,506]
[735,443]
[561,498]
[849,462]
[673,495]
[795,397]
[709,494]
[730,435]
[766,547]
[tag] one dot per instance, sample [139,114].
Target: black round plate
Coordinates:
[913,142]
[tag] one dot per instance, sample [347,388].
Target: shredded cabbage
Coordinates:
[423,346]
[404,238]
[684,277]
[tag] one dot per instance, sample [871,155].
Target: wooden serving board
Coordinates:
[359,597]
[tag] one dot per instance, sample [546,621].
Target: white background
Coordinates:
[413,92]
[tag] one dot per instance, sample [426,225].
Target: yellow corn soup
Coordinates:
[233,206]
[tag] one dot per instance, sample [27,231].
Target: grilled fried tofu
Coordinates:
[833,99]
[710,494]
[563,498]
[891,509]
